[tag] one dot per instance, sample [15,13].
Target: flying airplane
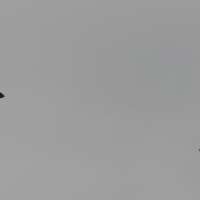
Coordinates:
[1,95]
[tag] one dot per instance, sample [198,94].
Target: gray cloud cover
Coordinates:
[101,99]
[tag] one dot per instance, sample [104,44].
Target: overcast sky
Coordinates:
[101,99]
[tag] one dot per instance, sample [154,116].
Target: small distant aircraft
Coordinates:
[1,95]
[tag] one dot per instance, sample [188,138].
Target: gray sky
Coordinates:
[101,99]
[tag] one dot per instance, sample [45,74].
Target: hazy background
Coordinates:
[101,99]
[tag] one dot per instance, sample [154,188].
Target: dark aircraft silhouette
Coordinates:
[1,95]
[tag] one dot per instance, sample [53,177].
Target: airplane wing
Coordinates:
[1,95]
